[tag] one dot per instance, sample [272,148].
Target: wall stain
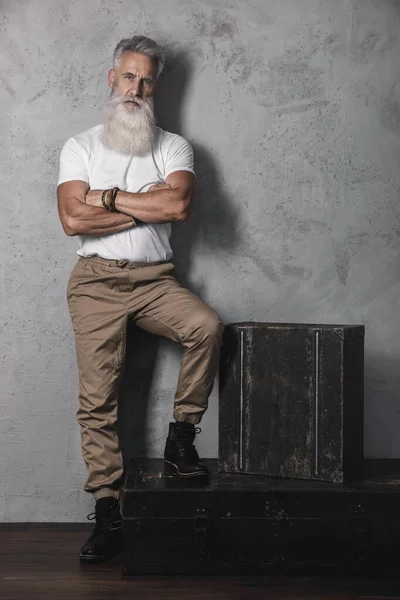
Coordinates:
[296,272]
[226,28]
[369,42]
[269,244]
[293,78]
[265,267]
[390,115]
[373,46]
[222,32]
[342,260]
[7,87]
[299,107]
[37,96]
[73,82]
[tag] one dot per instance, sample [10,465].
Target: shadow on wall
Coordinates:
[212,223]
[136,381]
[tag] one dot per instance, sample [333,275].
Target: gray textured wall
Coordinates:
[294,112]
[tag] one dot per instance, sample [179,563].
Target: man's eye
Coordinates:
[148,81]
[128,76]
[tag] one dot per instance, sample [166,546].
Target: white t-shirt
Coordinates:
[84,157]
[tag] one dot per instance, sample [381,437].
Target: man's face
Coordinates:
[129,121]
[135,76]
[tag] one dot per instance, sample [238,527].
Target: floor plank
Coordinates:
[41,561]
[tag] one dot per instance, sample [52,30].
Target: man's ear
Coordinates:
[111,77]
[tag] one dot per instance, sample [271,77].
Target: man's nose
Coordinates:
[135,89]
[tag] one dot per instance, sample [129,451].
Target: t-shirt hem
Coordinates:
[179,169]
[145,259]
[65,180]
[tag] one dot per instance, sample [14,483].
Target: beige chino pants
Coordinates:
[102,295]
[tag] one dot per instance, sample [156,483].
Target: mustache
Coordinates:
[115,100]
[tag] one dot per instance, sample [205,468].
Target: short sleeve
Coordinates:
[179,156]
[72,163]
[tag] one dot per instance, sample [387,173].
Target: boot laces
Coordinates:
[104,524]
[183,442]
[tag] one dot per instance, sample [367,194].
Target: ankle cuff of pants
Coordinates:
[183,418]
[106,493]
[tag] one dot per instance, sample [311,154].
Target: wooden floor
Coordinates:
[40,561]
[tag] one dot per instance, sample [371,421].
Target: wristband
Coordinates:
[103,199]
[114,193]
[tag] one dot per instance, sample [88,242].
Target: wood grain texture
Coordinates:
[40,561]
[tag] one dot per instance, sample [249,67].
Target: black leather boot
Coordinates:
[106,540]
[180,455]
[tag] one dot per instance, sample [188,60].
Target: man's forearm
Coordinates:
[162,203]
[158,206]
[91,220]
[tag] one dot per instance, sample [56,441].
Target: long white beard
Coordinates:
[129,128]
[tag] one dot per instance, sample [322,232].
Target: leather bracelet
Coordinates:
[103,200]
[108,198]
[114,193]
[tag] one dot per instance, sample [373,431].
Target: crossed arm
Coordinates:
[82,213]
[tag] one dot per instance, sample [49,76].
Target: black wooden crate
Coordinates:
[291,400]
[239,524]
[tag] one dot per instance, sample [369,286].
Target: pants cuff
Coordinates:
[184,418]
[106,493]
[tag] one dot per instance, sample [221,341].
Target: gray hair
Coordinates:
[142,45]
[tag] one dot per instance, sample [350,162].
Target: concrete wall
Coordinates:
[294,112]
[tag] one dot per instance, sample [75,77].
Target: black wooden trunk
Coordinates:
[252,524]
[291,400]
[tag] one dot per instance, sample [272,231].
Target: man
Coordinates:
[121,184]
